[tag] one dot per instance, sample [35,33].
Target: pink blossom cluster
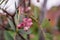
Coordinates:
[26,24]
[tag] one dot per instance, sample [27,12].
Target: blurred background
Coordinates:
[12,14]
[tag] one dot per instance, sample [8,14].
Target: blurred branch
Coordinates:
[21,36]
[41,18]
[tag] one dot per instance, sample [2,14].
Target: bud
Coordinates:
[20,25]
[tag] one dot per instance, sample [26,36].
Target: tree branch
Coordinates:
[41,18]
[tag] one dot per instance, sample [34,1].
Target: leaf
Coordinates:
[8,36]
[49,36]
[34,28]
[11,33]
[16,19]
[46,23]
[36,11]
[11,24]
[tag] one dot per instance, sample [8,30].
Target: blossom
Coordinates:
[20,25]
[26,24]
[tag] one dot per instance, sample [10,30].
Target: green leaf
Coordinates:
[8,36]
[49,36]
[12,33]
[36,11]
[16,15]
[46,23]
[11,24]
[16,18]
[34,28]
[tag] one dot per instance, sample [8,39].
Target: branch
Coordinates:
[21,36]
[41,18]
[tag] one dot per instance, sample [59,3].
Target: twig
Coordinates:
[14,22]
[28,35]
[21,36]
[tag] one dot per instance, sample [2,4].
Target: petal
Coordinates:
[29,20]
[29,24]
[26,28]
[19,26]
[25,19]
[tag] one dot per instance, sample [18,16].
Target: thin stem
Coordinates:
[14,22]
[28,36]
[21,36]
[41,33]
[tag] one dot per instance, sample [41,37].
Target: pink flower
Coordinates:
[20,25]
[27,21]
[26,24]
[29,24]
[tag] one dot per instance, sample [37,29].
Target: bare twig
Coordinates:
[21,36]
